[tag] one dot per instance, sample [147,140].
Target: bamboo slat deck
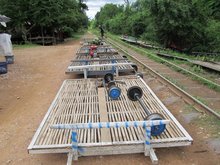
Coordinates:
[84,50]
[209,65]
[99,68]
[83,101]
[133,40]
[100,56]
[101,59]
[89,41]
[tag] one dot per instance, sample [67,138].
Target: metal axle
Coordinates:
[142,104]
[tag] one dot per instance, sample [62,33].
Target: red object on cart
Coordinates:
[91,53]
[93,47]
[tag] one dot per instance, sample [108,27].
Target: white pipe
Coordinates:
[97,65]
[126,124]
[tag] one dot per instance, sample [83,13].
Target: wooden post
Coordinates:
[69,158]
[42,34]
[148,150]
[105,132]
[117,72]
[85,73]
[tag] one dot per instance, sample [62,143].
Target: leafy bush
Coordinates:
[184,25]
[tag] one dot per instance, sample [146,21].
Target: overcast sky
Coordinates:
[95,5]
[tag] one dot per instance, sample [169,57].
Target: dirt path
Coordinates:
[27,91]
[25,95]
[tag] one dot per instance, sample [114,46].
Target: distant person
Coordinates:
[101,31]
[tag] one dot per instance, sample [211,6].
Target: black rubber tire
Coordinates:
[133,92]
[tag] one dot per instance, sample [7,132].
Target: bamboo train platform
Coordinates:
[89,41]
[100,67]
[86,101]
[101,64]
[86,56]
[101,49]
[209,65]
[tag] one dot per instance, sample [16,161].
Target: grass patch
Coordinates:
[197,69]
[75,36]
[27,45]
[179,62]
[174,81]
[210,124]
[201,100]
[78,35]
[189,109]
[95,32]
[205,123]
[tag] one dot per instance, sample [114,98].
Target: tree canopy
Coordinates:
[64,16]
[191,25]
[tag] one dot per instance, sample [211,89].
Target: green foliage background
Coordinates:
[65,16]
[189,25]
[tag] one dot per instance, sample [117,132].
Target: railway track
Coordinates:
[207,79]
[212,66]
[196,94]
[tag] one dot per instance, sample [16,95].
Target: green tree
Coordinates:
[109,11]
[192,25]
[51,15]
[178,23]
